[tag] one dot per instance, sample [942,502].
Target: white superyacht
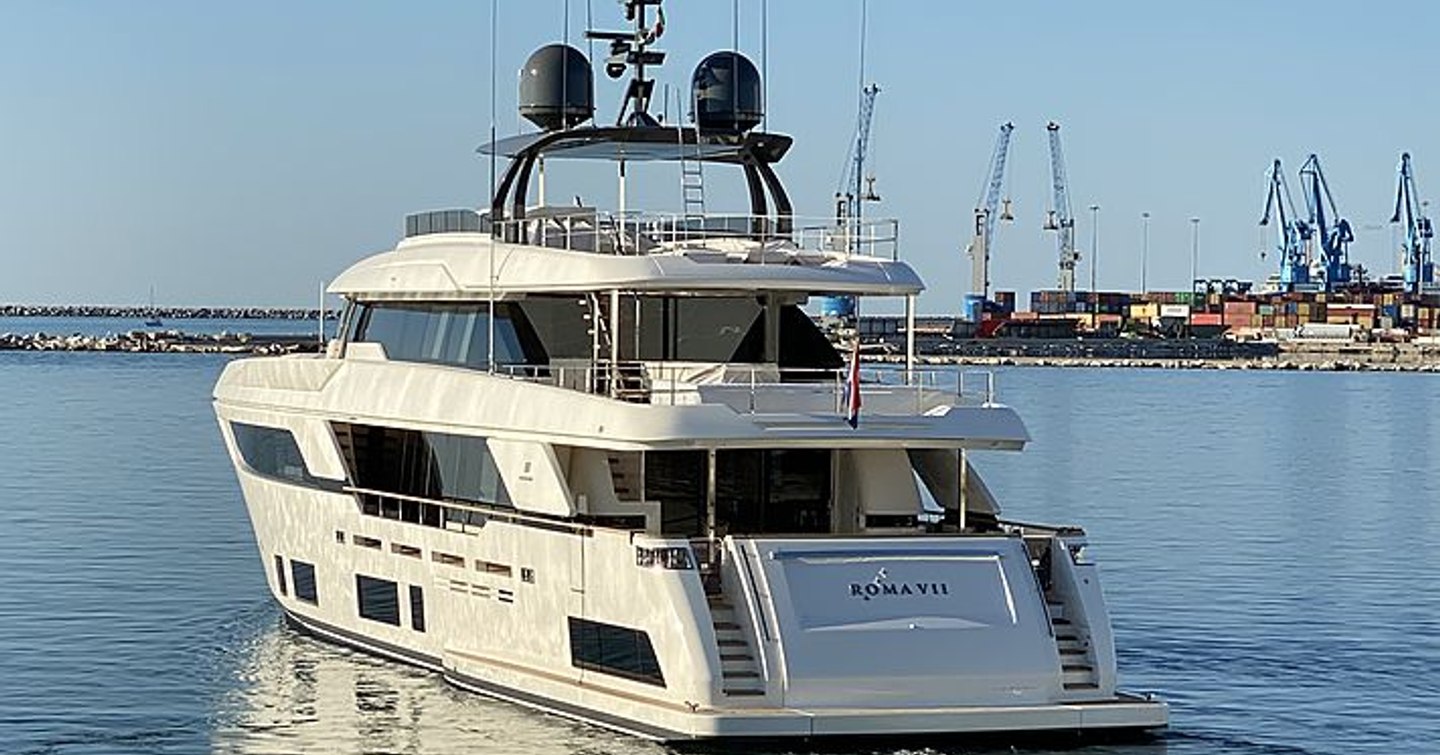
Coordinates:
[602,464]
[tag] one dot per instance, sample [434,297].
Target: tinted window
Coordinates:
[272,452]
[701,329]
[773,491]
[677,479]
[614,650]
[421,464]
[303,577]
[450,333]
[280,576]
[561,324]
[417,608]
[379,599]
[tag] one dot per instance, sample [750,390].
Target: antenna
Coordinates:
[628,49]
[765,59]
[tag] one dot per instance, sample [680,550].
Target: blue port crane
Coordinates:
[855,187]
[987,211]
[1333,231]
[854,191]
[1419,271]
[1293,233]
[1058,218]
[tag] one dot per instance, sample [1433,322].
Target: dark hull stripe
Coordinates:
[361,642]
[598,718]
[648,731]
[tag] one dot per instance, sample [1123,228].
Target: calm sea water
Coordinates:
[1270,545]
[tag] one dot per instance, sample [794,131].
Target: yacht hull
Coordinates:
[1126,713]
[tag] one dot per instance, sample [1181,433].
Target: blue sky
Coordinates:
[242,153]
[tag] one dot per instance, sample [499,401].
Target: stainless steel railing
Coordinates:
[590,229]
[761,388]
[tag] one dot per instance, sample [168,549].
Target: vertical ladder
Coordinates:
[692,175]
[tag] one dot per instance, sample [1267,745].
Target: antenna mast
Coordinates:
[628,49]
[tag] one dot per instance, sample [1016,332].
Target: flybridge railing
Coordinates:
[588,229]
[763,389]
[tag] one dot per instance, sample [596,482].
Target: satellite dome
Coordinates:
[556,88]
[727,93]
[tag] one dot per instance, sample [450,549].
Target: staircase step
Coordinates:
[732,643]
[726,626]
[744,691]
[1081,687]
[745,656]
[740,674]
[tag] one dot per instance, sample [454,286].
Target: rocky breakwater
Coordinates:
[161,342]
[168,313]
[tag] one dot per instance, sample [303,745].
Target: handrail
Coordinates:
[589,229]
[671,380]
[498,512]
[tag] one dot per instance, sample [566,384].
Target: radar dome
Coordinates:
[556,88]
[727,93]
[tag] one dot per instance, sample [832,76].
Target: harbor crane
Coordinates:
[1294,233]
[1058,218]
[986,208]
[1334,232]
[1419,271]
[855,187]
[855,190]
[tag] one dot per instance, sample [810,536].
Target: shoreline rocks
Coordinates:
[162,342]
[165,313]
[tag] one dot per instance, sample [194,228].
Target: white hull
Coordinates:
[494,634]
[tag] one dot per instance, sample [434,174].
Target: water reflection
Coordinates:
[293,693]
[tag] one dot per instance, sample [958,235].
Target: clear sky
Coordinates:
[242,153]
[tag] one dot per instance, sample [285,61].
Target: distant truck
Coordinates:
[1322,331]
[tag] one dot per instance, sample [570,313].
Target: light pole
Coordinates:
[1144,249]
[1094,263]
[1194,262]
[1194,250]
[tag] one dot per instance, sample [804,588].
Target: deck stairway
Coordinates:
[739,670]
[1077,661]
[625,475]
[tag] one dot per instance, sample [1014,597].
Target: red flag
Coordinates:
[852,388]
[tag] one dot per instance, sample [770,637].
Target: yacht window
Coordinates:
[722,329]
[379,599]
[677,480]
[271,452]
[280,576]
[699,329]
[422,464]
[449,333]
[417,608]
[561,324]
[614,650]
[773,491]
[302,577]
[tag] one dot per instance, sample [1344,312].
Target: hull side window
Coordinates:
[615,650]
[378,599]
[302,576]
